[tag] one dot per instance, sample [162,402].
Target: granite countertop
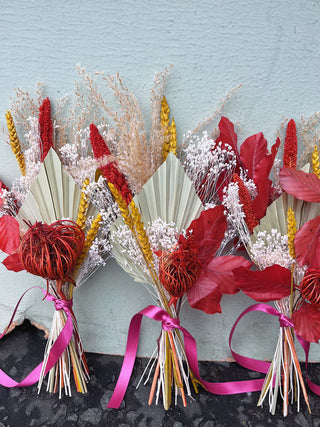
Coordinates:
[19,407]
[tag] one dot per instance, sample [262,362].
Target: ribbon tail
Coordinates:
[128,362]
[56,351]
[226,388]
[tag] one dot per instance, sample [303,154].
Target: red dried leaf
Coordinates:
[9,234]
[264,167]
[307,322]
[261,202]
[302,185]
[12,262]
[253,151]
[228,136]
[306,243]
[207,232]
[205,294]
[270,284]
[215,280]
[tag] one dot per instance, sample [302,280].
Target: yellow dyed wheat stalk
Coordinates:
[83,205]
[315,162]
[91,234]
[15,143]
[169,130]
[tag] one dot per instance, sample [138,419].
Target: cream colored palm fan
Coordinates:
[170,195]
[53,195]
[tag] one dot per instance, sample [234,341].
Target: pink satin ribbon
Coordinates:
[259,365]
[168,324]
[56,350]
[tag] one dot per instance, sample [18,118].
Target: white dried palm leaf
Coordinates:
[170,195]
[54,195]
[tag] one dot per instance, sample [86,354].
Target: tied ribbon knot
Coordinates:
[259,365]
[57,348]
[65,305]
[285,322]
[170,323]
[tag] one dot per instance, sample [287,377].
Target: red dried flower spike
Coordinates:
[46,128]
[310,287]
[51,251]
[245,200]
[109,171]
[179,270]
[290,146]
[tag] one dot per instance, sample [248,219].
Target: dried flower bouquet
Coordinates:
[54,230]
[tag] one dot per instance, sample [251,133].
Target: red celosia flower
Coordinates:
[109,171]
[245,200]
[290,146]
[205,277]
[46,129]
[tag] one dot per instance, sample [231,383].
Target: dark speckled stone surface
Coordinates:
[24,407]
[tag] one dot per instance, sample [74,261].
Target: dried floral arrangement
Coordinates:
[173,235]
[50,226]
[280,234]
[178,218]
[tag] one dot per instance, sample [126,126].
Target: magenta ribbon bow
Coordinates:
[57,349]
[259,365]
[169,323]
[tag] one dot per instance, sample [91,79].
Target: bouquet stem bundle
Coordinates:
[285,372]
[169,370]
[73,356]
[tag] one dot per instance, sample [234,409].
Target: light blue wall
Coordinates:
[272,47]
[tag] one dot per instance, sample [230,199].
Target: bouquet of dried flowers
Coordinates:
[172,234]
[50,226]
[282,245]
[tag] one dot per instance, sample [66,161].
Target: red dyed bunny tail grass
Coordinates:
[245,200]
[109,171]
[46,128]
[290,146]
